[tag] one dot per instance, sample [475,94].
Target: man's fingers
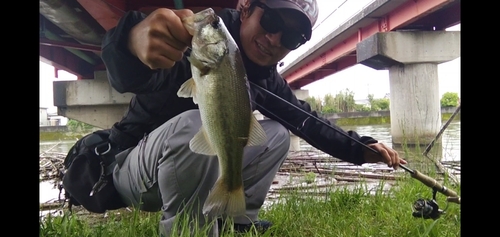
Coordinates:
[167,25]
[164,55]
[171,52]
[160,61]
[395,159]
[177,29]
[181,13]
[393,156]
[386,155]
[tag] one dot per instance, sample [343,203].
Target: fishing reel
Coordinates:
[427,209]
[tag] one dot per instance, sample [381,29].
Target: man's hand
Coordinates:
[387,155]
[160,39]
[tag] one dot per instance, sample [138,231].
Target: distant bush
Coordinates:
[77,126]
[449,99]
[380,104]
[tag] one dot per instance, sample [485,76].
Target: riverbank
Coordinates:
[304,187]
[62,134]
[306,171]
[378,117]
[383,209]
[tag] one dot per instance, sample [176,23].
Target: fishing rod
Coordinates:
[421,206]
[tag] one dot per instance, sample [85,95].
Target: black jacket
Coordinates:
[156,100]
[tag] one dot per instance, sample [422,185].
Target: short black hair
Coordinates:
[250,8]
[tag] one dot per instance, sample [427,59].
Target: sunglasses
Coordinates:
[273,23]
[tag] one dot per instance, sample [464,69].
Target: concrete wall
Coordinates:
[449,110]
[44,119]
[53,129]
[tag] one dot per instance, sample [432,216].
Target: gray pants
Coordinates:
[162,173]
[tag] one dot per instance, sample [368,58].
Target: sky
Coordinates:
[359,79]
[47,77]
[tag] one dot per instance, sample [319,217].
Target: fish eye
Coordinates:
[215,23]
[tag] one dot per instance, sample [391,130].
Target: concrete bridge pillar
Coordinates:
[415,107]
[412,58]
[92,101]
[294,140]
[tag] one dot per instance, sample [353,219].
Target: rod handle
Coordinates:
[453,199]
[432,183]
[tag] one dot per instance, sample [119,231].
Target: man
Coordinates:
[146,55]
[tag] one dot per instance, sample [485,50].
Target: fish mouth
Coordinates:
[207,15]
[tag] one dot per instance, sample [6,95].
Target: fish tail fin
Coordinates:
[222,201]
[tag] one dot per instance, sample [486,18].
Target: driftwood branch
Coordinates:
[51,165]
[315,166]
[45,152]
[438,164]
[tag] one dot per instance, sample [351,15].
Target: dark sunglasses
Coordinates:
[273,23]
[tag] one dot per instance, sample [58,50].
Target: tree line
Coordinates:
[344,101]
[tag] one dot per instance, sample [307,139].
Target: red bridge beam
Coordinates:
[406,13]
[63,44]
[324,71]
[60,58]
[106,13]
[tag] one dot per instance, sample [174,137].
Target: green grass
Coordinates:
[356,213]
[341,212]
[59,136]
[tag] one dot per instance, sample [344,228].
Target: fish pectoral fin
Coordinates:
[188,89]
[257,135]
[200,144]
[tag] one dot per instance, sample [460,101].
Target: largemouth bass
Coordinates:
[220,87]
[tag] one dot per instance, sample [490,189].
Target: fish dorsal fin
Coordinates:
[188,89]
[257,134]
[200,144]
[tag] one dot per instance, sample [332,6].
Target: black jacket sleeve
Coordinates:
[303,122]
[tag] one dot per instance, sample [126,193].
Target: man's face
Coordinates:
[262,47]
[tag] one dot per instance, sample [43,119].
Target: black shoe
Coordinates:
[261,226]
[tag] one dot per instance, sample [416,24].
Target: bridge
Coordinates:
[405,37]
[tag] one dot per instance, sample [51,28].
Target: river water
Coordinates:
[450,149]
[450,138]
